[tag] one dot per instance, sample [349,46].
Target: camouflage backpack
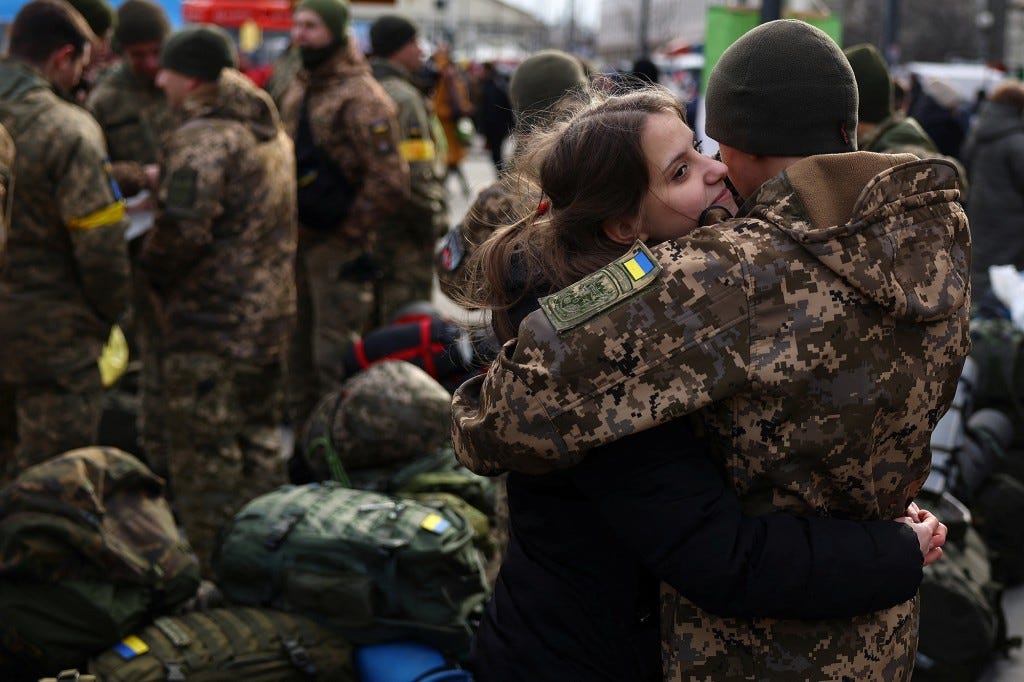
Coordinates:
[228,644]
[89,551]
[376,567]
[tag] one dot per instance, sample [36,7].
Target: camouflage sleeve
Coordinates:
[777,565]
[92,209]
[373,129]
[641,359]
[417,148]
[189,200]
[130,177]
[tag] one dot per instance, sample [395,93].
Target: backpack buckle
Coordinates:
[298,656]
[175,672]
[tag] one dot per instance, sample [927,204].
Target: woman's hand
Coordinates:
[931,534]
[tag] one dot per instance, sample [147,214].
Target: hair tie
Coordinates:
[543,207]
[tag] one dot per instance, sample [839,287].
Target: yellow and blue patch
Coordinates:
[130,647]
[435,523]
[638,266]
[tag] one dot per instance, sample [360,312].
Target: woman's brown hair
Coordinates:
[587,167]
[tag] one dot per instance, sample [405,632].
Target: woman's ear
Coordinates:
[622,230]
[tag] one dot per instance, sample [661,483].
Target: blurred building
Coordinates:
[479,30]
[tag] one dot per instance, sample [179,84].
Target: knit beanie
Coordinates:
[783,89]
[199,51]
[874,83]
[542,79]
[97,13]
[390,33]
[141,21]
[334,14]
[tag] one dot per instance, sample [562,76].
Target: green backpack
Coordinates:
[379,568]
[998,348]
[225,645]
[89,551]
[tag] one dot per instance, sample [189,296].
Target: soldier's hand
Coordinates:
[931,534]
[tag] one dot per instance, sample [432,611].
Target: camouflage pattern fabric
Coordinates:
[405,244]
[65,281]
[496,206]
[135,119]
[355,122]
[220,256]
[821,333]
[7,155]
[389,413]
[223,440]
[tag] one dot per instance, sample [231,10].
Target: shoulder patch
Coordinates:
[381,138]
[181,188]
[621,279]
[452,249]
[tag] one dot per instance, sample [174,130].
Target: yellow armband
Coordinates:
[108,215]
[416,150]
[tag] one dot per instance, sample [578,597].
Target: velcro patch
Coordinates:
[381,138]
[602,290]
[181,188]
[452,250]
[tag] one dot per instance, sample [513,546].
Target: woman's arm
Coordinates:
[661,494]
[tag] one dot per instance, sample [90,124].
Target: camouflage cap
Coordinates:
[390,412]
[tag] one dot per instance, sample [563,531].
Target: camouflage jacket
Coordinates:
[821,334]
[425,209]
[355,122]
[135,119]
[496,206]
[220,257]
[66,276]
[7,155]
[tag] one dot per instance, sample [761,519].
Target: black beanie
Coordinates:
[783,89]
[141,21]
[390,33]
[199,51]
[874,83]
[97,13]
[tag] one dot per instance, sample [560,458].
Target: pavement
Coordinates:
[480,173]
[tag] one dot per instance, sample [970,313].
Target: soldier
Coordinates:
[351,178]
[220,263]
[8,420]
[100,17]
[537,87]
[405,245]
[820,334]
[65,280]
[135,118]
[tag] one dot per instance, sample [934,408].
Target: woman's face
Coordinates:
[683,181]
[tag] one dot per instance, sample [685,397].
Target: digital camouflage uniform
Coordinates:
[135,118]
[821,335]
[354,121]
[405,244]
[65,281]
[220,259]
[496,206]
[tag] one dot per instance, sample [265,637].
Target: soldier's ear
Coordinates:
[622,230]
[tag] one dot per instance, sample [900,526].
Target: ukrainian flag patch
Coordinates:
[638,266]
[130,647]
[435,523]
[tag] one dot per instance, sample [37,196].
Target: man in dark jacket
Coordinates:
[494,113]
[994,152]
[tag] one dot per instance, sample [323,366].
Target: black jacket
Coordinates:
[577,595]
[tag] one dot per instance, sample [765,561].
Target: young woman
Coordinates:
[577,595]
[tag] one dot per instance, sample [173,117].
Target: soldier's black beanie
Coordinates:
[97,13]
[141,21]
[783,89]
[390,33]
[199,51]
[874,83]
[334,14]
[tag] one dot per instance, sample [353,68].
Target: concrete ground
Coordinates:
[480,173]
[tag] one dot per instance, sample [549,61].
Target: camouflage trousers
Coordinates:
[408,267]
[697,645]
[146,335]
[331,313]
[48,418]
[222,423]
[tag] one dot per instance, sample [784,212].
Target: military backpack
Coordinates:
[89,551]
[228,644]
[377,567]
